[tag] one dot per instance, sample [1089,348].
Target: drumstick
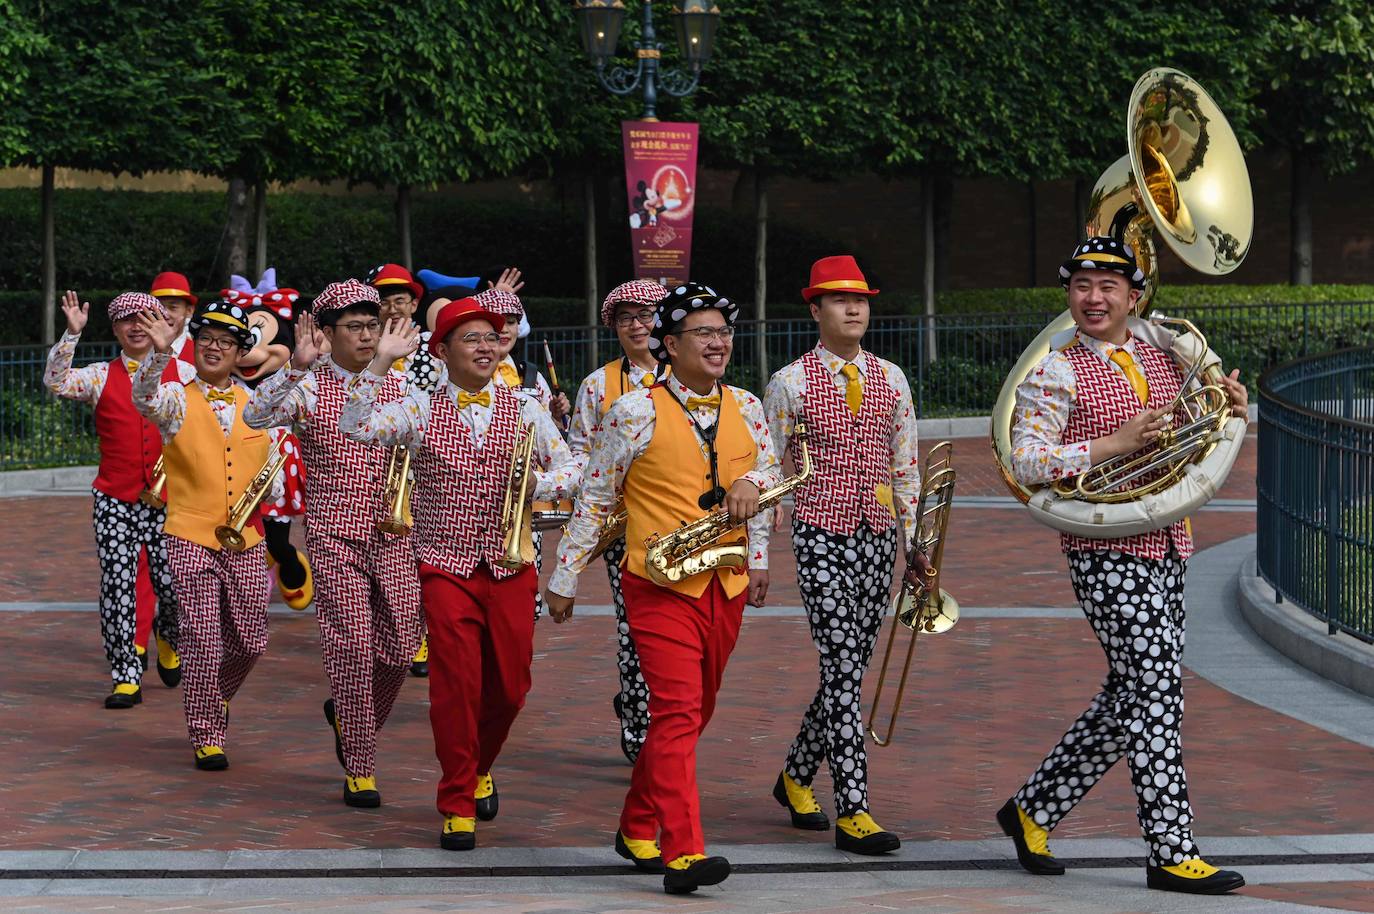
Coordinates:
[553,380]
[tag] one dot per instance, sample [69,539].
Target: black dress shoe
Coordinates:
[214,761]
[361,793]
[879,842]
[643,864]
[457,840]
[710,871]
[1031,862]
[1219,883]
[420,668]
[488,807]
[811,821]
[121,700]
[334,729]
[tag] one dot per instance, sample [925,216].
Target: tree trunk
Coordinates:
[48,226]
[928,261]
[236,231]
[742,196]
[1300,220]
[403,223]
[1032,233]
[260,230]
[761,271]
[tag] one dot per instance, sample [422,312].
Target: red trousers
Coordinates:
[146,606]
[481,644]
[684,644]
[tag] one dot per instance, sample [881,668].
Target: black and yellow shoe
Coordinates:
[125,695]
[419,664]
[211,758]
[362,792]
[801,803]
[168,663]
[1193,877]
[298,598]
[142,656]
[488,800]
[338,732]
[459,834]
[859,834]
[645,855]
[690,872]
[1032,841]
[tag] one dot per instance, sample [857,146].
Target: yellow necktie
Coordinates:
[508,374]
[854,390]
[224,396]
[465,399]
[710,402]
[1133,375]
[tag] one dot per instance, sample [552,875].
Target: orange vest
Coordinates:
[664,483]
[616,379]
[196,461]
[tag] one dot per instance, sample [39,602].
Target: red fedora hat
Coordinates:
[836,274]
[172,285]
[391,277]
[458,312]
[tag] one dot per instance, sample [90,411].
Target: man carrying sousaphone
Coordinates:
[210,456]
[1104,394]
[861,432]
[479,612]
[677,451]
[367,596]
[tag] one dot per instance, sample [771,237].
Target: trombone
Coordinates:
[926,608]
[230,534]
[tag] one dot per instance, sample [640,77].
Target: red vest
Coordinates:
[129,443]
[1105,401]
[851,455]
[344,479]
[459,486]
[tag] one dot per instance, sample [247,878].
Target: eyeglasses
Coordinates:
[216,342]
[472,339]
[707,334]
[640,317]
[358,327]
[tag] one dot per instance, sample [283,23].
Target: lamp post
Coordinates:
[695,24]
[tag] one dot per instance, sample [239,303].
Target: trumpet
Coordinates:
[516,532]
[155,496]
[230,535]
[927,608]
[396,494]
[695,547]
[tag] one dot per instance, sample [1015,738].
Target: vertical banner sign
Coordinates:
[661,177]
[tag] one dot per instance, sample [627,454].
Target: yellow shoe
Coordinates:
[124,695]
[301,597]
[488,800]
[459,834]
[211,758]
[859,834]
[419,664]
[801,803]
[1032,841]
[691,871]
[1193,877]
[168,663]
[362,793]
[644,854]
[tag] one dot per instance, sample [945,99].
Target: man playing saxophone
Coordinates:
[367,598]
[479,612]
[211,457]
[679,451]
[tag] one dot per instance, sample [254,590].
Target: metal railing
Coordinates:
[1316,487]
[975,352]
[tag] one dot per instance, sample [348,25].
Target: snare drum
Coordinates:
[550,515]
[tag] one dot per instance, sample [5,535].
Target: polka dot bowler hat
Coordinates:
[677,304]
[1103,253]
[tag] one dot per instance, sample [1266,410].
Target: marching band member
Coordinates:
[677,451]
[1105,394]
[368,597]
[480,615]
[174,291]
[125,527]
[210,457]
[862,440]
[629,310]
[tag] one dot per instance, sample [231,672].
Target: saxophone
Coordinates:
[612,529]
[693,548]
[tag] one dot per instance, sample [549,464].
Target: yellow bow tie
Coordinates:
[466,399]
[711,402]
[131,365]
[854,389]
[508,374]
[1137,380]
[399,364]
[224,396]
[647,380]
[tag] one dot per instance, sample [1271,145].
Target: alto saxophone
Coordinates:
[396,494]
[516,540]
[230,534]
[692,548]
[612,529]
[155,496]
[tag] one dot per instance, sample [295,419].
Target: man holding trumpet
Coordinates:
[367,592]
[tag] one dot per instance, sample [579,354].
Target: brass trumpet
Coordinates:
[155,496]
[925,609]
[396,494]
[230,535]
[692,548]
[516,539]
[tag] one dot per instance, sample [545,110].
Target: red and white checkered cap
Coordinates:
[338,295]
[499,301]
[636,291]
[127,304]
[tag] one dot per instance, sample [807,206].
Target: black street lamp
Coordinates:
[695,24]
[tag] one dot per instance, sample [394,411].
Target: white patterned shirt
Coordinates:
[287,397]
[591,394]
[87,383]
[164,405]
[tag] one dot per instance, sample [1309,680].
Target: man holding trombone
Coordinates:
[367,592]
[861,430]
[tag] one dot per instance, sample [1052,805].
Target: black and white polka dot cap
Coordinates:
[1102,253]
[681,301]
